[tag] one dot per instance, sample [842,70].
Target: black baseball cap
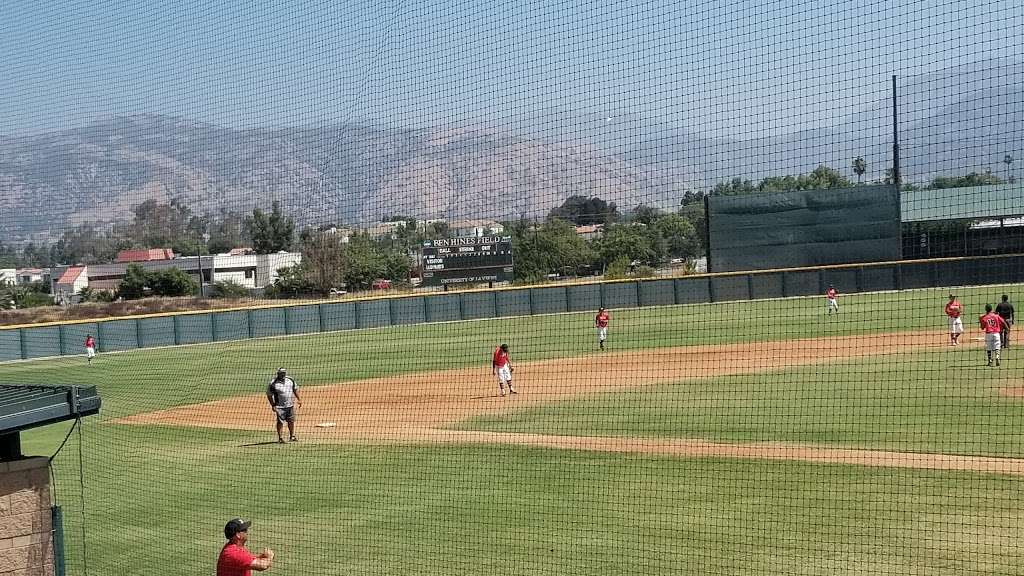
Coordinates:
[282,370]
[234,526]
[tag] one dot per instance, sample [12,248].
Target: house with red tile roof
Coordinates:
[144,255]
[71,282]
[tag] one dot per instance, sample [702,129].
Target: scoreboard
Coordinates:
[467,260]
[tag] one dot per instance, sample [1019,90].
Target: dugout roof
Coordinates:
[973,203]
[23,407]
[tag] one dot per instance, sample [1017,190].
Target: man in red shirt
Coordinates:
[956,324]
[833,299]
[601,323]
[992,324]
[501,366]
[234,559]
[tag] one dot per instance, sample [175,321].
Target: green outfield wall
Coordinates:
[39,341]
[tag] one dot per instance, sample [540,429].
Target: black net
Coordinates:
[376,196]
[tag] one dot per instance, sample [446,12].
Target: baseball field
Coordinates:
[736,438]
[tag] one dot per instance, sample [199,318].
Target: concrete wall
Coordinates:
[26,542]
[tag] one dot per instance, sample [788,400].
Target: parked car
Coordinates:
[381,284]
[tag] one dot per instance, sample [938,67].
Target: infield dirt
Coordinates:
[418,408]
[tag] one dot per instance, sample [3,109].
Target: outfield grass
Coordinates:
[156,498]
[149,379]
[940,401]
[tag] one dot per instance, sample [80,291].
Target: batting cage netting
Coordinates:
[495,288]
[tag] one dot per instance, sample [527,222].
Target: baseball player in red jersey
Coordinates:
[601,323]
[501,366]
[833,299]
[992,324]
[956,324]
[90,347]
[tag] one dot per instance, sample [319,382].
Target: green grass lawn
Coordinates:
[156,498]
[144,380]
[511,510]
[943,401]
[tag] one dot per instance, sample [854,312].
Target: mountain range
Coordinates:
[963,119]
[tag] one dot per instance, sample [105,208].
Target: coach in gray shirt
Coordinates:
[283,393]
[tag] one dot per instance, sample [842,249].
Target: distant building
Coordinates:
[474,228]
[590,231]
[384,229]
[251,270]
[30,275]
[241,266]
[8,276]
[145,255]
[71,282]
[345,233]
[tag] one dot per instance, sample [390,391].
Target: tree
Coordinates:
[271,232]
[86,244]
[644,214]
[229,231]
[8,257]
[679,237]
[632,242]
[820,178]
[968,180]
[362,262]
[553,247]
[693,212]
[24,296]
[171,282]
[138,283]
[582,211]
[323,261]
[617,269]
[170,225]
[135,284]
[291,282]
[229,289]
[733,187]
[860,166]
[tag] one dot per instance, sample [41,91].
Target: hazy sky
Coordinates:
[719,67]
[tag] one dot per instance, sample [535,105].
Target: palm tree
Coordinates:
[1007,160]
[859,167]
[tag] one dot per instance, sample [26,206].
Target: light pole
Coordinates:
[199,258]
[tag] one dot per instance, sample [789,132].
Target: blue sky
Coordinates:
[725,68]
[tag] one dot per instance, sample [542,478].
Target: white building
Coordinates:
[474,228]
[384,229]
[590,231]
[8,276]
[250,270]
[30,275]
[72,281]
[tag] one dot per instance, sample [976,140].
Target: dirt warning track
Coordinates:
[417,408]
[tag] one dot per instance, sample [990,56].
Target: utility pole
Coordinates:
[896,176]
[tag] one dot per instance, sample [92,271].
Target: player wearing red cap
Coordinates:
[501,366]
[601,323]
[956,324]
